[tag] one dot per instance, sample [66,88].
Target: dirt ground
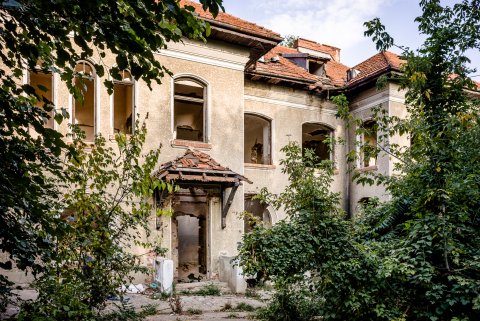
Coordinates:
[195,307]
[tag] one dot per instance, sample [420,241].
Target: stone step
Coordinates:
[197,286]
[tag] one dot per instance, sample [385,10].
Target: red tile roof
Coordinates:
[236,23]
[195,165]
[337,72]
[375,65]
[334,52]
[283,67]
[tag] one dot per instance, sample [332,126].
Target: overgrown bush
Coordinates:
[104,206]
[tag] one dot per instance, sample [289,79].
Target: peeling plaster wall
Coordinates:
[361,105]
[290,108]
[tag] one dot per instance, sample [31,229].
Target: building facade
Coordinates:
[222,117]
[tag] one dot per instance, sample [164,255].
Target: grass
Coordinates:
[232,316]
[149,309]
[191,311]
[240,307]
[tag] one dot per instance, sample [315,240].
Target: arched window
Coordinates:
[42,82]
[123,104]
[84,107]
[257,140]
[316,137]
[259,214]
[189,110]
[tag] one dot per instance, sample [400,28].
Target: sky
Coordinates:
[337,22]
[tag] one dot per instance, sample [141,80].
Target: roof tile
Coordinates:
[237,23]
[374,65]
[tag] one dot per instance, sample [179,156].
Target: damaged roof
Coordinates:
[234,22]
[231,29]
[334,52]
[378,64]
[275,66]
[197,166]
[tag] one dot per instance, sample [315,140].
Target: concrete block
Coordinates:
[232,275]
[164,274]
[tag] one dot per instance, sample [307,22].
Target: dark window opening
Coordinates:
[316,137]
[257,140]
[370,144]
[123,102]
[258,214]
[84,107]
[189,110]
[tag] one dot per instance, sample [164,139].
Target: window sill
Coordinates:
[368,168]
[258,166]
[187,144]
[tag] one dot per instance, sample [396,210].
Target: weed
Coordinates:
[242,306]
[209,289]
[227,306]
[175,304]
[232,316]
[149,309]
[251,293]
[191,311]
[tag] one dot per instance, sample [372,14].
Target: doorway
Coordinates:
[189,236]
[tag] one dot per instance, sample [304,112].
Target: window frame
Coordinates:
[206,106]
[133,83]
[361,138]
[26,81]
[270,138]
[332,136]
[96,101]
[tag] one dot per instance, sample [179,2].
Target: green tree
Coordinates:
[289,41]
[104,208]
[415,257]
[58,34]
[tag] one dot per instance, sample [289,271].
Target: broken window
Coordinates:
[84,106]
[123,104]
[257,214]
[189,110]
[369,144]
[316,68]
[43,84]
[257,149]
[317,138]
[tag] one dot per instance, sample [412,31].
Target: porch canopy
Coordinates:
[198,168]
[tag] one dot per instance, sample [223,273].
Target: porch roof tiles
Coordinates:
[198,166]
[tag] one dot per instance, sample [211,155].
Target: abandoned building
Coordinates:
[222,118]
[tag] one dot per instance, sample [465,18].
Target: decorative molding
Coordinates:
[377,102]
[213,61]
[288,104]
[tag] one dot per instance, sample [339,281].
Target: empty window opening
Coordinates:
[257,149]
[123,102]
[316,68]
[43,85]
[84,107]
[316,137]
[257,214]
[189,110]
[369,147]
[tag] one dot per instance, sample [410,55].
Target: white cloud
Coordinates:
[334,22]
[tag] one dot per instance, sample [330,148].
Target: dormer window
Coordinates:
[352,73]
